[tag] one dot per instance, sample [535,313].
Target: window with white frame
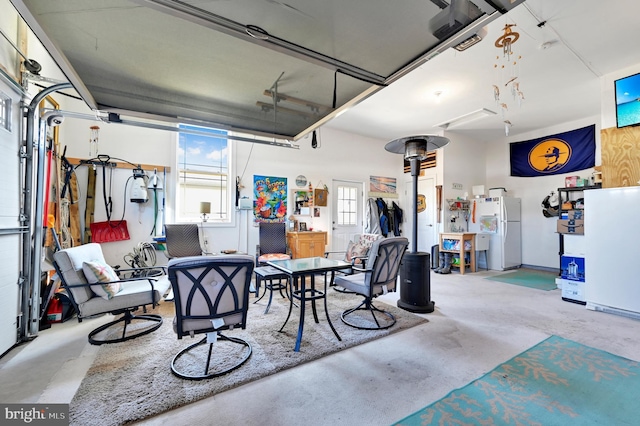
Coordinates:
[5,111]
[204,160]
[347,205]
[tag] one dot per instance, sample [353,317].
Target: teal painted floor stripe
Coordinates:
[556,382]
[528,278]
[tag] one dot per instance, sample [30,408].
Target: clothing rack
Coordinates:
[389,217]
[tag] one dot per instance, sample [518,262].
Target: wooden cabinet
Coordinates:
[306,244]
[461,238]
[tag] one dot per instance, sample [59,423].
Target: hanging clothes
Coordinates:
[383,211]
[372,218]
[397,218]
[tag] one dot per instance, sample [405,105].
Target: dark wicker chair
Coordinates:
[272,246]
[182,240]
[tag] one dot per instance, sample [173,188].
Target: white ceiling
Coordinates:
[217,62]
[173,59]
[589,38]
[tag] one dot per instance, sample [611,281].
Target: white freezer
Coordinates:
[612,240]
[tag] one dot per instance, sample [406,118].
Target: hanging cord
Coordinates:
[108,205]
[155,212]
[105,161]
[124,200]
[335,89]
[143,256]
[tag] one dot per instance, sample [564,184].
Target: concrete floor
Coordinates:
[477,325]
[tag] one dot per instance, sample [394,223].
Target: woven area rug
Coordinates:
[542,280]
[556,382]
[132,380]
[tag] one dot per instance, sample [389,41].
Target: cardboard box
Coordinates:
[571,226]
[597,177]
[572,214]
[571,181]
[583,182]
[573,290]
[572,268]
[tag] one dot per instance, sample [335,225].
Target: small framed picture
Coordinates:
[302,226]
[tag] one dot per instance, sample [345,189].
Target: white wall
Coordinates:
[339,156]
[464,163]
[133,144]
[539,238]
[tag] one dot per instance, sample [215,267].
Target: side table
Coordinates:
[273,281]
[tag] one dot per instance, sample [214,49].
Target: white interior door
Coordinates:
[346,213]
[427,235]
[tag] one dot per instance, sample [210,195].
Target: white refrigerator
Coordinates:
[500,218]
[612,241]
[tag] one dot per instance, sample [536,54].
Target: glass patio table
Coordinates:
[298,271]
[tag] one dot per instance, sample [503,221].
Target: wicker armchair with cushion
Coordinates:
[272,246]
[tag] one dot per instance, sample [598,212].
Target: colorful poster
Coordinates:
[556,154]
[270,198]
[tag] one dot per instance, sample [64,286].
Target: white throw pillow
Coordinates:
[99,272]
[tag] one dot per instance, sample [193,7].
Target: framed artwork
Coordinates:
[383,184]
[383,187]
[301,200]
[320,197]
[270,198]
[302,226]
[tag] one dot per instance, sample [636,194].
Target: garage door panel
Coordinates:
[10,194]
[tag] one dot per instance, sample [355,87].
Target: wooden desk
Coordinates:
[461,237]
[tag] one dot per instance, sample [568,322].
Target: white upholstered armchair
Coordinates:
[94,288]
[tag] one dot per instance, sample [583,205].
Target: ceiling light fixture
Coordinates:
[470,41]
[466,118]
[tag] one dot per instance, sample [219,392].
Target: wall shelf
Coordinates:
[456,205]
